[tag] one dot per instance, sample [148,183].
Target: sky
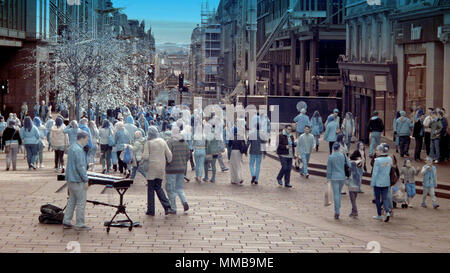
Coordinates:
[171,20]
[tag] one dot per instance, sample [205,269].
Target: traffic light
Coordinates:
[181,82]
[4,87]
[151,72]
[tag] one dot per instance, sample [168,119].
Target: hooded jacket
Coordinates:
[330,131]
[403,125]
[130,128]
[57,136]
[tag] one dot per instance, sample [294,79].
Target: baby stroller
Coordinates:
[399,195]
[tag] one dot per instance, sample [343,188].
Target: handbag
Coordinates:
[328,195]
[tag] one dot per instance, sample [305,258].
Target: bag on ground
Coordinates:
[51,215]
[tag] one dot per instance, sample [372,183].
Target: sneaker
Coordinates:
[212,181]
[253,179]
[353,215]
[424,206]
[307,176]
[149,214]
[185,206]
[63,170]
[336,216]
[436,206]
[7,169]
[241,182]
[83,228]
[377,217]
[436,161]
[302,174]
[65,226]
[280,182]
[288,186]
[172,212]
[205,180]
[104,171]
[388,215]
[41,166]
[226,169]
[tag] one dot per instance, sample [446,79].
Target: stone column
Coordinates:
[435,72]
[312,67]
[302,68]
[399,53]
[292,63]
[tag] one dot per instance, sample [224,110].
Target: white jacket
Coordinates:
[58,138]
[156,153]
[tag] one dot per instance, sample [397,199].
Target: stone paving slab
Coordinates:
[223,218]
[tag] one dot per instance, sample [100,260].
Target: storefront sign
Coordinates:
[356,78]
[380,83]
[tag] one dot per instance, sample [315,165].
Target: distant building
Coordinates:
[205,61]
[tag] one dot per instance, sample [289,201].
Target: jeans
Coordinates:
[316,137]
[435,151]
[381,194]
[32,152]
[426,191]
[191,159]
[92,153]
[211,161]
[122,166]
[155,186]
[305,161]
[199,156]
[353,195]
[59,158]
[48,140]
[174,187]
[105,157]
[134,171]
[255,165]
[12,155]
[330,146]
[428,142]
[286,167]
[221,163]
[77,198]
[418,148]
[348,142]
[40,153]
[375,138]
[404,142]
[337,188]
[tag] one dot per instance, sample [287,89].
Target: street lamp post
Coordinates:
[246,92]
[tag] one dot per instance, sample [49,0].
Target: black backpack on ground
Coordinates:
[51,215]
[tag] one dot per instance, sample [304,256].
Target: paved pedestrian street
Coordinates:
[222,218]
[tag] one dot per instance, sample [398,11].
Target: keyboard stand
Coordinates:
[121,209]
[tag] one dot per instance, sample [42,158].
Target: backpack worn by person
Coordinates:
[51,215]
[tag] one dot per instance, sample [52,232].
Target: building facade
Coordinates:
[395,58]
[302,58]
[205,58]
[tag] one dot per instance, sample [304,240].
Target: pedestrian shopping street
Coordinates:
[222,217]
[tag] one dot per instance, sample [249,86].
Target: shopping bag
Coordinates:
[328,195]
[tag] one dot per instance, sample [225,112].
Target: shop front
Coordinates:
[421,63]
[369,87]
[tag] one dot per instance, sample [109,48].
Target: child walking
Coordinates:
[429,182]
[408,172]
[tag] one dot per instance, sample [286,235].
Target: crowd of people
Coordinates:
[138,139]
[346,168]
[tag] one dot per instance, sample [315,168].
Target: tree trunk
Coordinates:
[89,108]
